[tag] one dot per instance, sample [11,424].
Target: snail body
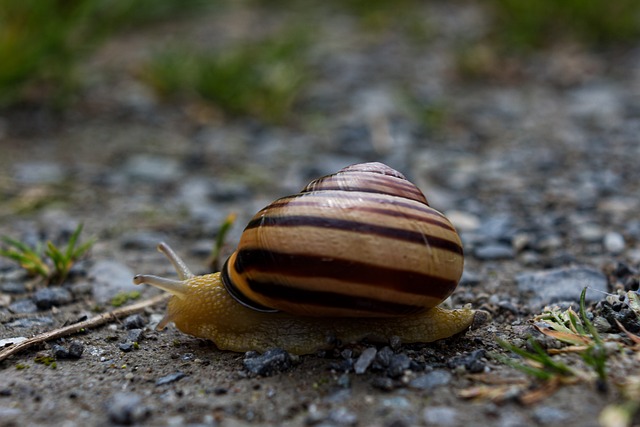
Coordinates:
[355,254]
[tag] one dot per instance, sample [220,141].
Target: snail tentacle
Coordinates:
[175,287]
[178,264]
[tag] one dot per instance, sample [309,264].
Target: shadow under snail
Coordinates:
[356,254]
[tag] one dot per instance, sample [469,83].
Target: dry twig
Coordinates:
[86,324]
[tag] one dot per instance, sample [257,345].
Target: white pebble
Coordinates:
[614,242]
[463,221]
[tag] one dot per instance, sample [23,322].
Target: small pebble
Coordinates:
[126,346]
[383,383]
[561,284]
[397,365]
[15,288]
[440,415]
[135,321]
[38,172]
[59,351]
[126,408]
[614,243]
[23,306]
[365,359]
[343,417]
[135,335]
[110,278]
[272,361]
[168,379]
[142,240]
[344,380]
[470,278]
[46,298]
[472,361]
[383,357]
[431,380]
[152,168]
[395,342]
[29,323]
[76,348]
[463,221]
[494,251]
[590,233]
[546,415]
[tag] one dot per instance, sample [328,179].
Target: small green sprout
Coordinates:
[569,328]
[224,229]
[123,297]
[28,258]
[52,263]
[543,366]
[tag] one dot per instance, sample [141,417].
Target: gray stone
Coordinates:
[76,348]
[463,221]
[154,169]
[23,306]
[546,415]
[38,173]
[109,278]
[398,364]
[470,278]
[365,359]
[272,361]
[13,288]
[126,346]
[59,351]
[440,415]
[561,284]
[614,242]
[126,408]
[48,297]
[29,323]
[342,416]
[135,335]
[142,240]
[431,380]
[168,379]
[135,321]
[590,233]
[494,251]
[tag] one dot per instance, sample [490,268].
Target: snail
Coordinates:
[356,254]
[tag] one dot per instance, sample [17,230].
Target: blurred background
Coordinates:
[196,108]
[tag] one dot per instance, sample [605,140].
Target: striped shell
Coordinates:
[361,242]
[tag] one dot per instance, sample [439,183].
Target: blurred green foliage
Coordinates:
[260,79]
[526,25]
[41,41]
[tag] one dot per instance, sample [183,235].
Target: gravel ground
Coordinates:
[538,169]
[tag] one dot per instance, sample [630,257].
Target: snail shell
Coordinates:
[362,242]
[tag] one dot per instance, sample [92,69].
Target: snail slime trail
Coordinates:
[355,254]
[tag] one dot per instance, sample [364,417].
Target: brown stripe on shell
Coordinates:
[368,183]
[331,300]
[299,266]
[365,204]
[358,227]
[382,199]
